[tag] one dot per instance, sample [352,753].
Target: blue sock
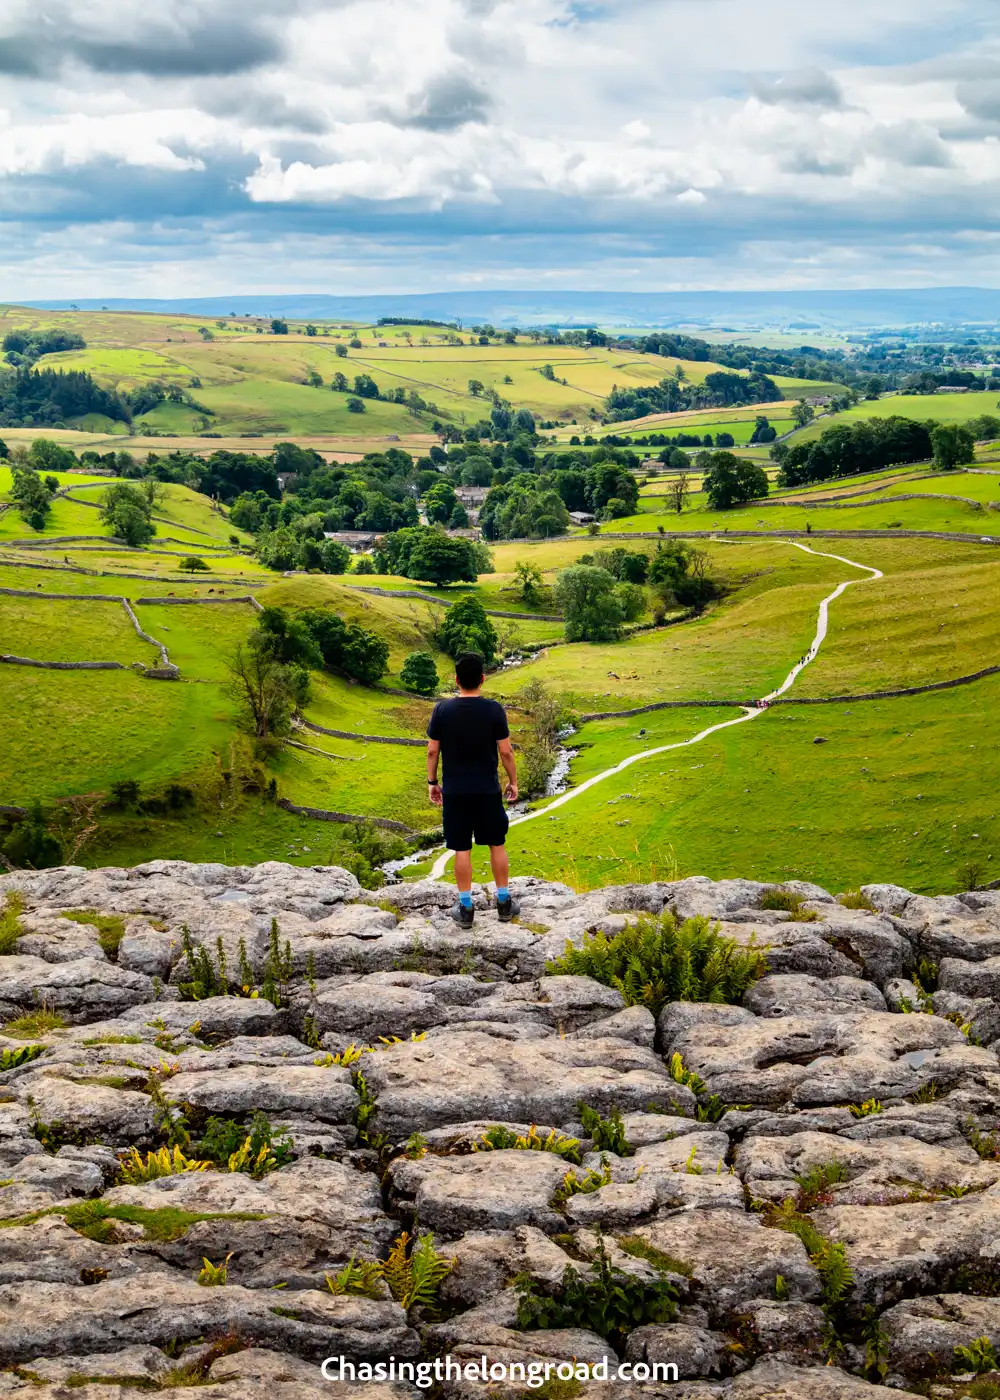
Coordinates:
[503,894]
[465,898]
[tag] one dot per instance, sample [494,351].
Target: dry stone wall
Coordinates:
[841,1100]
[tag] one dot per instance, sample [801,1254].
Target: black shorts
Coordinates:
[478,818]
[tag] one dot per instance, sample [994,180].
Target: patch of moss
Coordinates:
[664,1263]
[95,1219]
[115,1040]
[34,1023]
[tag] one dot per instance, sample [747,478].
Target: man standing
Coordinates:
[467,733]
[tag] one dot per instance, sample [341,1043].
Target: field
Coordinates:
[902,789]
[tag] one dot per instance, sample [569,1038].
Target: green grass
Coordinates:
[941,408]
[199,638]
[77,732]
[49,630]
[926,514]
[903,791]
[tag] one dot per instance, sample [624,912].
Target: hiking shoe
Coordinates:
[462,916]
[506,909]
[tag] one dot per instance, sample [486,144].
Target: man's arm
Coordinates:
[510,768]
[433,787]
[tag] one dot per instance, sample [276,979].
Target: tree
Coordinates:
[465,627]
[803,413]
[953,446]
[363,564]
[732,480]
[366,655]
[340,350]
[286,637]
[365,386]
[336,557]
[310,330]
[355,405]
[476,388]
[529,576]
[440,501]
[441,559]
[193,565]
[279,327]
[677,489]
[419,673]
[126,511]
[31,495]
[631,599]
[266,691]
[586,596]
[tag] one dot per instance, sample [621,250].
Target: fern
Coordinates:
[657,960]
[979,1356]
[680,1074]
[213,1275]
[203,979]
[414,1276]
[499,1139]
[20,1055]
[360,1280]
[573,1185]
[815,1183]
[133,1169]
[607,1134]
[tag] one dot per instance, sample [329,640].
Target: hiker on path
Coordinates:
[467,733]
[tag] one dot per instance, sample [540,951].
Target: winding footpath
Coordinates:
[749,712]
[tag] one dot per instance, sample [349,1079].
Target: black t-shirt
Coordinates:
[468,729]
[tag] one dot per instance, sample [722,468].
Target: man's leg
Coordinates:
[499,865]
[463,870]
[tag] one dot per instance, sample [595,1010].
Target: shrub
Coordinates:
[658,960]
[256,1151]
[610,1302]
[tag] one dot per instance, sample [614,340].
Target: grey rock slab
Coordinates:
[120,1117]
[679,1017]
[914,1248]
[325,1093]
[82,990]
[875,1172]
[52,1319]
[970,937]
[734,1258]
[643,1129]
[923,1333]
[794,993]
[315,1213]
[57,940]
[619,1206]
[148,950]
[795,1331]
[980,1014]
[485,1191]
[777,1380]
[130,1363]
[936,1122]
[485,1261]
[49,1251]
[795,947]
[635,1023]
[695,1351]
[713,899]
[460,1076]
[62,1175]
[971,979]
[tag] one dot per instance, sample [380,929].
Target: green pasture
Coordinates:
[903,791]
[379,780]
[77,731]
[57,630]
[198,637]
[337,703]
[941,408]
[741,649]
[923,514]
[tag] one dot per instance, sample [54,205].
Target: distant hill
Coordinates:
[800,310]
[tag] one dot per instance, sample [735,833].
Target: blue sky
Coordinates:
[198,147]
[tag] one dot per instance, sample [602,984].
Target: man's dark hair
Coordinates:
[469,670]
